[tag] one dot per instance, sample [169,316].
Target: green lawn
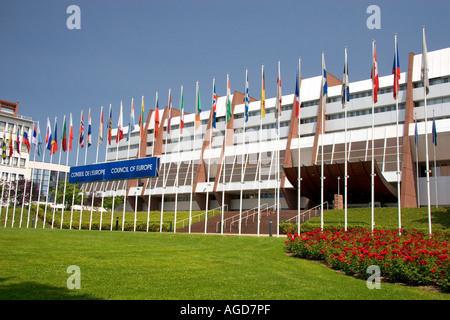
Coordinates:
[140,265]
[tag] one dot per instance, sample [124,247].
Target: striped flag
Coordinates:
[181,111]
[4,146]
[26,141]
[55,140]
[170,111]
[39,141]
[246,96]
[11,149]
[345,82]
[119,135]
[81,138]
[228,103]
[89,134]
[324,84]
[297,92]
[48,136]
[141,118]
[396,70]
[18,141]
[278,97]
[131,123]
[198,108]
[70,132]
[374,73]
[263,93]
[156,129]
[214,102]
[34,137]
[110,125]
[100,128]
[64,136]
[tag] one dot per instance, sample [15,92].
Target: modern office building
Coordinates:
[201,169]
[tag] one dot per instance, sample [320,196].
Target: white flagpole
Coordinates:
[425,76]
[178,166]
[417,163]
[149,181]
[57,182]
[85,161]
[243,147]
[324,101]
[435,170]
[224,160]
[165,155]
[214,101]
[48,186]
[345,141]
[373,164]
[299,179]
[76,164]
[65,176]
[278,181]
[17,184]
[260,154]
[193,151]
[25,180]
[396,135]
[31,188]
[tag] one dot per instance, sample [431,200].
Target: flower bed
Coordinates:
[412,258]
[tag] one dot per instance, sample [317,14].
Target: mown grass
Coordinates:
[168,266]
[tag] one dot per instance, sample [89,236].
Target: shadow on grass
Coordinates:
[37,291]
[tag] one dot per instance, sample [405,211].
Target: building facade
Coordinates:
[243,164]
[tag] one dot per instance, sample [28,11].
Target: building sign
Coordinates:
[119,170]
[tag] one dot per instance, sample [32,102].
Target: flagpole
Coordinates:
[260,148]
[57,182]
[345,98]
[224,160]
[278,180]
[197,97]
[425,88]
[243,148]
[178,164]
[74,186]
[416,138]
[153,154]
[31,187]
[65,178]
[372,175]
[396,89]
[165,155]
[321,143]
[25,181]
[48,185]
[17,179]
[299,179]
[214,102]
[434,156]
[103,185]
[96,183]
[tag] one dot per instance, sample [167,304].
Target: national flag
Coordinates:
[374,73]
[18,141]
[345,82]
[64,136]
[100,128]
[416,134]
[54,147]
[297,92]
[110,125]
[11,149]
[263,94]
[141,118]
[156,129]
[48,136]
[119,135]
[228,103]
[89,134]
[214,102]
[26,141]
[396,70]
[70,133]
[3,146]
[278,97]
[246,97]
[81,139]
[34,137]
[39,141]
[131,123]
[181,111]
[198,108]
[434,130]
[424,68]
[324,84]
[170,111]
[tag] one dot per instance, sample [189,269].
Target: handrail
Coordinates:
[233,217]
[253,214]
[307,212]
[198,215]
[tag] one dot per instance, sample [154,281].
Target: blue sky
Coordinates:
[126,49]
